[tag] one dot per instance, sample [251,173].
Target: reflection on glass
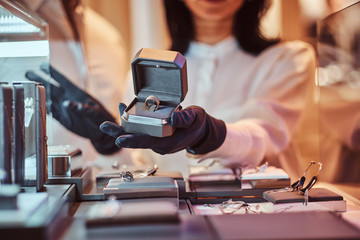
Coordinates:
[338,48]
[24,46]
[12,24]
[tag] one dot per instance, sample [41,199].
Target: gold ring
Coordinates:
[150,100]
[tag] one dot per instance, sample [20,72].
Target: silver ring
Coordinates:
[126,176]
[150,99]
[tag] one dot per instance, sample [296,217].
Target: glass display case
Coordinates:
[24,46]
[338,95]
[24,43]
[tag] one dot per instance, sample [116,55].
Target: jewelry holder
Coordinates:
[160,85]
[145,188]
[6,131]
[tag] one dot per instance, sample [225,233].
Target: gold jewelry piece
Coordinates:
[150,100]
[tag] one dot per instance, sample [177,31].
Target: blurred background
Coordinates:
[142,22]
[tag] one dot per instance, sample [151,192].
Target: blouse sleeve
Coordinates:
[107,61]
[273,107]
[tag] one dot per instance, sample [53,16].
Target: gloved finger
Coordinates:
[32,76]
[112,129]
[122,108]
[45,67]
[185,118]
[54,90]
[89,110]
[61,79]
[136,141]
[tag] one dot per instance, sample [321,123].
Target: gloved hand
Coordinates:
[196,131]
[77,110]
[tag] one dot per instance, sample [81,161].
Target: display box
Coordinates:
[162,188]
[6,132]
[160,85]
[64,161]
[18,133]
[36,164]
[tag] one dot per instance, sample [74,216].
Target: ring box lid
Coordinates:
[161,73]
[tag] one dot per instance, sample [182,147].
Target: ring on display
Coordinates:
[126,176]
[150,101]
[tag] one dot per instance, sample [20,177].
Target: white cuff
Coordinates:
[244,144]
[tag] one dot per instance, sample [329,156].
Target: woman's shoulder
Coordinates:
[289,48]
[288,53]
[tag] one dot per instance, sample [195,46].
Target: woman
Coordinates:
[257,87]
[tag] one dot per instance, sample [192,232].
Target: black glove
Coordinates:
[196,131]
[77,110]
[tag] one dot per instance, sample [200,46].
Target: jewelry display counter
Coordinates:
[70,211]
[192,224]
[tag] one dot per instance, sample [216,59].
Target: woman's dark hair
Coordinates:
[246,28]
[70,6]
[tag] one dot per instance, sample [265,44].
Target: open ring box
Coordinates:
[158,73]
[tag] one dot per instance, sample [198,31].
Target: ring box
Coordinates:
[63,161]
[158,73]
